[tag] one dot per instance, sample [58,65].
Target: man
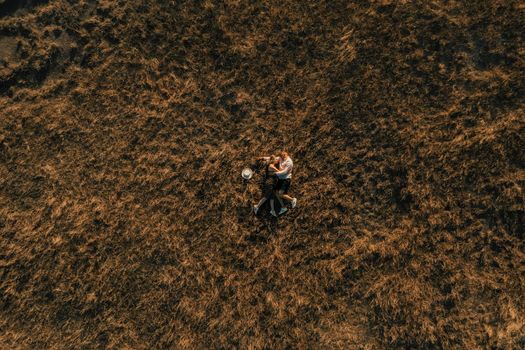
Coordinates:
[284,181]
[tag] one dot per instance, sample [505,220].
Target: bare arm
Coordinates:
[283,170]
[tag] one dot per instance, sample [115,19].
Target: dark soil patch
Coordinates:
[10,7]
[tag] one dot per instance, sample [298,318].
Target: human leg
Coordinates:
[285,188]
[279,195]
[261,202]
[286,197]
[272,206]
[292,200]
[283,210]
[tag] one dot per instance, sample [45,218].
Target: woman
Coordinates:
[269,182]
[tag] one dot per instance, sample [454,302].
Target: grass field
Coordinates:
[125,223]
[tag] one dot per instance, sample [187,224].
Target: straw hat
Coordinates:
[247,173]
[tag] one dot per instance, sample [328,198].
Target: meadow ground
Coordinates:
[124,221]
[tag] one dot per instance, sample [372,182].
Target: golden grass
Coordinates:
[125,224]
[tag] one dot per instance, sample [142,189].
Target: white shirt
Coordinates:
[285,167]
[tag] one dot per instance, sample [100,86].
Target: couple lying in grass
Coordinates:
[277,181]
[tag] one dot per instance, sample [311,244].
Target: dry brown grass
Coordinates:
[123,129]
